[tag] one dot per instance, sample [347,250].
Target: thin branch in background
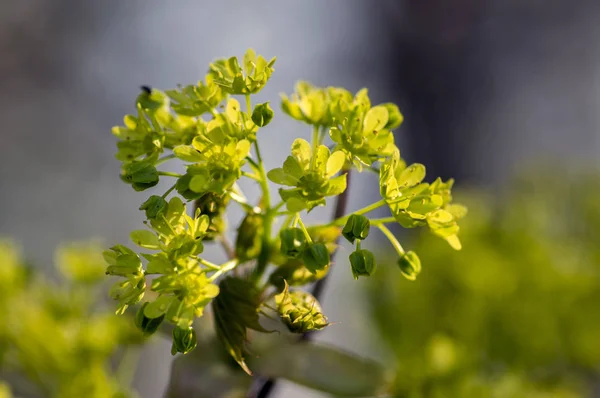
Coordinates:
[268,385]
[227,247]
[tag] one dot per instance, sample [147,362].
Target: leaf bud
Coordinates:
[293,242]
[395,118]
[147,325]
[214,206]
[357,227]
[249,238]
[300,311]
[184,340]
[262,114]
[410,265]
[316,257]
[154,206]
[362,263]
[141,175]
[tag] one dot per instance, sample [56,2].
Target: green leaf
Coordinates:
[295,205]
[159,265]
[279,176]
[145,239]
[293,168]
[158,307]
[198,183]
[235,309]
[188,153]
[183,187]
[323,368]
[207,373]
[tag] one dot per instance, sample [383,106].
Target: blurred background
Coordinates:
[502,95]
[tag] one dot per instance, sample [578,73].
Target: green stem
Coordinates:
[364,210]
[251,176]
[279,206]
[238,196]
[288,221]
[385,220]
[248,105]
[391,238]
[225,267]
[264,184]
[169,191]
[322,136]
[303,228]
[164,159]
[169,174]
[210,265]
[252,163]
[269,213]
[315,144]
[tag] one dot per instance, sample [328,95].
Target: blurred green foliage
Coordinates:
[516,313]
[57,340]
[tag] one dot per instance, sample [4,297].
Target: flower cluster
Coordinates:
[311,174]
[362,132]
[205,128]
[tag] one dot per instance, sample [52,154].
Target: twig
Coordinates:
[227,247]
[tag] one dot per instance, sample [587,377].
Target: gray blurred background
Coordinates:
[486,87]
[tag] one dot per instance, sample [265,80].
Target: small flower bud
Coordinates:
[214,206]
[316,257]
[357,227]
[249,239]
[147,325]
[300,311]
[141,175]
[184,340]
[395,118]
[362,263]
[293,242]
[154,206]
[262,114]
[410,265]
